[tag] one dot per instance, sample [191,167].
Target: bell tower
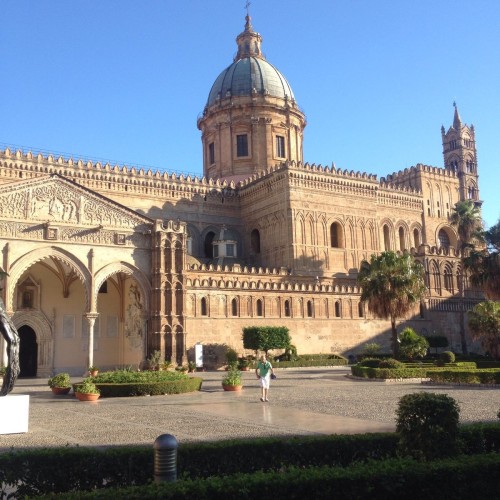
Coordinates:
[460,156]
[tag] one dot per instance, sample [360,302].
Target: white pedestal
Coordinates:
[14,414]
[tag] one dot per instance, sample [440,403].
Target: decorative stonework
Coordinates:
[59,201]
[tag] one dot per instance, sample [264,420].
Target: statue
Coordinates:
[9,333]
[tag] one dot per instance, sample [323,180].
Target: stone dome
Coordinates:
[250,73]
[247,76]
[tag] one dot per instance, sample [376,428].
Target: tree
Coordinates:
[484,265]
[484,323]
[265,338]
[412,345]
[466,217]
[391,285]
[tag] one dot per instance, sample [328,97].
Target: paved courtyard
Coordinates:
[302,402]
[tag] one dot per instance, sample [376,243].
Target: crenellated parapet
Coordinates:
[16,165]
[408,174]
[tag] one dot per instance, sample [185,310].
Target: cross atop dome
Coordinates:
[248,41]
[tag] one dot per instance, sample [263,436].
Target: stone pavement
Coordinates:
[303,402]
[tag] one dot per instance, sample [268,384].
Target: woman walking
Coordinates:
[263,371]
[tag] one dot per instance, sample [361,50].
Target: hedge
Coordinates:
[467,375]
[188,384]
[310,362]
[486,376]
[458,478]
[42,471]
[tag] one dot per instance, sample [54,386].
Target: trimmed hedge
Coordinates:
[460,478]
[468,375]
[486,376]
[301,362]
[180,386]
[42,471]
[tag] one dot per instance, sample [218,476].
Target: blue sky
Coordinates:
[125,80]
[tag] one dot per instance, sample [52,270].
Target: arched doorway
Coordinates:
[28,351]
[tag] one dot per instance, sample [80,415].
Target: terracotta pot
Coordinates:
[60,390]
[232,387]
[94,373]
[87,397]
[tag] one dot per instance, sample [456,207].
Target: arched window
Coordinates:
[204,309]
[336,240]
[255,240]
[401,238]
[309,309]
[234,307]
[259,307]
[337,309]
[448,279]
[387,238]
[444,239]
[287,308]
[361,312]
[416,238]
[209,249]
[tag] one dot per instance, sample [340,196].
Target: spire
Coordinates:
[457,122]
[248,41]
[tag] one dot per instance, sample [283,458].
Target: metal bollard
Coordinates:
[165,458]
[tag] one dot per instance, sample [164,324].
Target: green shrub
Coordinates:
[412,345]
[447,357]
[390,363]
[61,380]
[427,425]
[370,362]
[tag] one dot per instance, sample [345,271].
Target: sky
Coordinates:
[124,81]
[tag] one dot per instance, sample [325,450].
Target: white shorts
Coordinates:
[264,381]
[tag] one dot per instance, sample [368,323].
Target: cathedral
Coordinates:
[109,263]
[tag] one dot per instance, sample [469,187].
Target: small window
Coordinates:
[416,238]
[336,236]
[259,307]
[255,240]
[337,309]
[309,309]
[229,249]
[216,251]
[234,307]
[204,310]
[387,239]
[211,153]
[361,312]
[401,239]
[242,145]
[280,146]
[287,308]
[27,299]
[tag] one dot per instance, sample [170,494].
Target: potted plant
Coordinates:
[87,390]
[60,383]
[93,370]
[191,366]
[232,380]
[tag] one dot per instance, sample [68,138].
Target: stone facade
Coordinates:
[108,263]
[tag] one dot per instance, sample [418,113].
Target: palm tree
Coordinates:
[391,285]
[484,265]
[466,217]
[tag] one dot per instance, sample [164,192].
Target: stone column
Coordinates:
[91,317]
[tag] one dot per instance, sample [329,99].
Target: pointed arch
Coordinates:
[50,252]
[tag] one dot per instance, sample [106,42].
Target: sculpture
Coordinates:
[9,333]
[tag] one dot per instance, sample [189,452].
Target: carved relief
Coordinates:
[57,200]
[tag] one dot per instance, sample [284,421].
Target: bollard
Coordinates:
[165,458]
